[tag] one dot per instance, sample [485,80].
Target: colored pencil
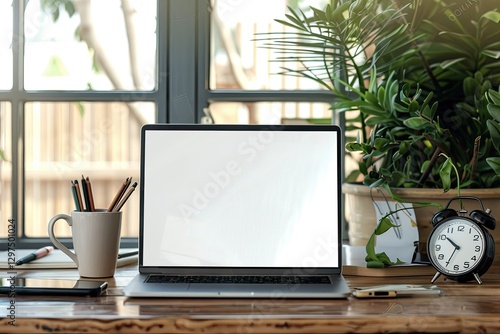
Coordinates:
[125,198]
[78,195]
[85,194]
[119,194]
[90,194]
[75,197]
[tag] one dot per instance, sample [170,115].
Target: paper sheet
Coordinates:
[55,260]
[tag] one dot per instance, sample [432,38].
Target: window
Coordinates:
[75,90]
[240,68]
[79,80]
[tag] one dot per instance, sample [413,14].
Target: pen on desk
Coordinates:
[36,255]
[123,255]
[85,194]
[119,194]
[75,197]
[91,196]
[125,198]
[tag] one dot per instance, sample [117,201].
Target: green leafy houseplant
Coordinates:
[417,80]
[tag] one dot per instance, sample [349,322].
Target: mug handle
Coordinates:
[55,241]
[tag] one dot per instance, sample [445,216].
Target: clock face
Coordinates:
[456,246]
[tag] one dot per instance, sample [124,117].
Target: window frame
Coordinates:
[181,94]
[18,96]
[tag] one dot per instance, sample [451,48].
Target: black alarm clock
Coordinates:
[459,246]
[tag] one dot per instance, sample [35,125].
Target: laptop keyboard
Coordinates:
[258,279]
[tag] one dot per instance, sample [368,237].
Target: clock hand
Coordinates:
[454,250]
[457,247]
[454,244]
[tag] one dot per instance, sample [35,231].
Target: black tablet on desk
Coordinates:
[61,287]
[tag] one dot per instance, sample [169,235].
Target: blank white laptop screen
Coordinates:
[241,199]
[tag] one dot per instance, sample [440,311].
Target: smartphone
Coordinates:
[397,290]
[60,287]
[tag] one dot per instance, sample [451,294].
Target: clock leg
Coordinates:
[435,277]
[476,276]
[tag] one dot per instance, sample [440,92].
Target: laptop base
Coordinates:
[137,288]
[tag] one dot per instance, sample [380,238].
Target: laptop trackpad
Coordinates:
[178,287]
[235,290]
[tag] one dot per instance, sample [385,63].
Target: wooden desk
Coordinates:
[464,308]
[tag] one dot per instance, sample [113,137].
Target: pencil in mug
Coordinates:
[91,196]
[78,195]
[86,194]
[75,197]
[120,193]
[125,198]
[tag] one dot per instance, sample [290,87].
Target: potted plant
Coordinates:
[418,82]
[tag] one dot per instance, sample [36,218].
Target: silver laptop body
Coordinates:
[240,211]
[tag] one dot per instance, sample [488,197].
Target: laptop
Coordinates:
[240,211]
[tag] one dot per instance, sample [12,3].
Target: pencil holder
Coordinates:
[96,241]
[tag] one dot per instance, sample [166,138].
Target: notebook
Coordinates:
[240,211]
[57,260]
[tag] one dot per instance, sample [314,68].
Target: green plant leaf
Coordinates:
[398,178]
[386,260]
[363,168]
[381,144]
[427,99]
[337,15]
[470,85]
[370,249]
[374,120]
[3,156]
[494,164]
[81,108]
[358,147]
[494,96]
[445,174]
[414,106]
[381,95]
[372,109]
[382,261]
[391,93]
[371,98]
[494,111]
[403,147]
[375,264]
[492,16]
[451,62]
[353,176]
[495,54]
[428,115]
[494,128]
[384,225]
[70,8]
[416,123]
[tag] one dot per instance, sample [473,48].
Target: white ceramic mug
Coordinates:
[96,240]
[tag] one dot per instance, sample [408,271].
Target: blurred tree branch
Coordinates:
[88,35]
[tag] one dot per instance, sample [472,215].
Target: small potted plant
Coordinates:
[418,82]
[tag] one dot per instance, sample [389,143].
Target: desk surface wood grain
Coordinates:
[464,308]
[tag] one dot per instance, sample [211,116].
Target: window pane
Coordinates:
[236,61]
[5,45]
[64,141]
[100,47]
[269,112]
[5,167]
